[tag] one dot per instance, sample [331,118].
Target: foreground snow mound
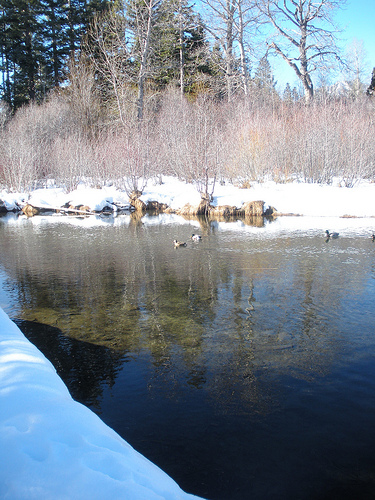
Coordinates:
[55,448]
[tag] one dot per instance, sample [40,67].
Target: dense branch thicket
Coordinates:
[200,141]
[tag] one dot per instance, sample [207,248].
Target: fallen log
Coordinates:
[31,210]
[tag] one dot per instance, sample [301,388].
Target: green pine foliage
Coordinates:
[21,48]
[36,39]
[180,44]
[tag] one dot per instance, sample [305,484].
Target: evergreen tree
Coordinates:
[263,82]
[180,46]
[371,87]
[140,46]
[22,49]
[263,77]
[36,39]
[6,49]
[54,33]
[287,94]
[80,13]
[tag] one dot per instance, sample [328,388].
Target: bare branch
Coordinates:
[305,27]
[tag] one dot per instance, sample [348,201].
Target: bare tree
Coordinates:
[241,27]
[108,51]
[143,19]
[189,27]
[119,46]
[306,35]
[247,22]
[230,22]
[220,15]
[357,67]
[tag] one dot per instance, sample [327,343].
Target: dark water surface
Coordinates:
[243,365]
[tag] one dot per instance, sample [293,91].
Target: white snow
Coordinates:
[291,197]
[55,448]
[173,192]
[96,199]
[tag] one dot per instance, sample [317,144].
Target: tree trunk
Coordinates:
[229,49]
[182,57]
[144,55]
[242,49]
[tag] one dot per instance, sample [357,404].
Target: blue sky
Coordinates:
[357,19]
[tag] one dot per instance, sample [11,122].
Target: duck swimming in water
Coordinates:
[331,235]
[179,244]
[196,237]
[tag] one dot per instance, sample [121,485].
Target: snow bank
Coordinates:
[173,192]
[294,197]
[55,448]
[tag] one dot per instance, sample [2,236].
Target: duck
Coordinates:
[196,237]
[331,235]
[179,244]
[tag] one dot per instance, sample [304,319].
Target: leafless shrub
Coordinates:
[72,159]
[316,143]
[193,145]
[173,117]
[23,149]
[126,158]
[4,114]
[82,97]
[200,141]
[35,145]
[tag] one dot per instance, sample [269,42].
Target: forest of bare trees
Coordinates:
[200,141]
[158,89]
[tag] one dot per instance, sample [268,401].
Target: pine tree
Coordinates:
[287,94]
[263,82]
[6,49]
[80,14]
[180,46]
[54,33]
[36,39]
[22,47]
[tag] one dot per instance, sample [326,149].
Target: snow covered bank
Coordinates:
[55,448]
[305,199]
[294,197]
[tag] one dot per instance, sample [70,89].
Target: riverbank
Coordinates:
[55,448]
[295,198]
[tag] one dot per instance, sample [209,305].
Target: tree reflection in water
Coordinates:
[83,366]
[232,363]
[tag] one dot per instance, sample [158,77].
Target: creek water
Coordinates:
[243,365]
